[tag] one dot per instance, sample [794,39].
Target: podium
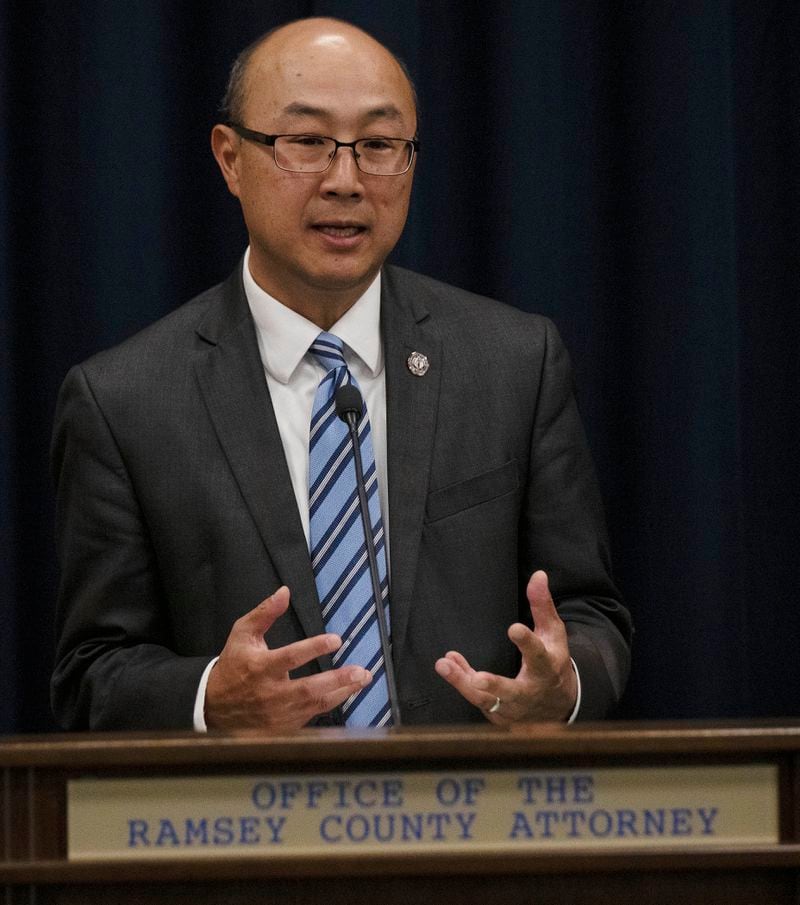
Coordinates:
[600,813]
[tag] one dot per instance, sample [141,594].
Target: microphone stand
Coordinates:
[349,407]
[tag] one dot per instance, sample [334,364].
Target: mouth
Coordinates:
[340,230]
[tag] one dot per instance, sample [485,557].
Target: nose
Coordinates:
[343,176]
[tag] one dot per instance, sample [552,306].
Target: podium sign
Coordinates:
[479,810]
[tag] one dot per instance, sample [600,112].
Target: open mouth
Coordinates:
[339,232]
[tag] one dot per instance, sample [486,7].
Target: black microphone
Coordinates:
[349,404]
[349,407]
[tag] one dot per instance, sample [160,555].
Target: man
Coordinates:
[183,458]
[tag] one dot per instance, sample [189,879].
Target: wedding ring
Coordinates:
[495,707]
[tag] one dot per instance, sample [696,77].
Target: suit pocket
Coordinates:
[476,490]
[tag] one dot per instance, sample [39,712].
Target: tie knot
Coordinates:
[327,349]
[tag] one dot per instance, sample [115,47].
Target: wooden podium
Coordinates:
[589,852]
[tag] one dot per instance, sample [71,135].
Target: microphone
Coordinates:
[349,407]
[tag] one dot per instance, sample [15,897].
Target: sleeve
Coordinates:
[115,662]
[563,532]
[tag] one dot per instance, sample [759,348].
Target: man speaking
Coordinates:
[441,558]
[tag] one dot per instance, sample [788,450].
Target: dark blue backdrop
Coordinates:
[628,169]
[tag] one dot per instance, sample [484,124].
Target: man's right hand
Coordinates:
[249,687]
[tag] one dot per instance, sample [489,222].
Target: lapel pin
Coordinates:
[418,364]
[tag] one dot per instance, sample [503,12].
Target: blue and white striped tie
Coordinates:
[337,540]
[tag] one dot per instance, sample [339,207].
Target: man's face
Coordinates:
[320,236]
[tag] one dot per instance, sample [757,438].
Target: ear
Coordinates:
[226,144]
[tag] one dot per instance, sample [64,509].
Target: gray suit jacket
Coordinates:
[176,513]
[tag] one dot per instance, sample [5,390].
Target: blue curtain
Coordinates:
[630,170]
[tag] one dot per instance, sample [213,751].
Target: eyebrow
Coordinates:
[386,111]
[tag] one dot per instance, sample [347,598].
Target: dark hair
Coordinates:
[232,104]
[231,108]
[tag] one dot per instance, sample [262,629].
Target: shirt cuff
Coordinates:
[200,699]
[574,714]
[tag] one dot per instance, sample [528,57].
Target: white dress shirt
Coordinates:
[293,375]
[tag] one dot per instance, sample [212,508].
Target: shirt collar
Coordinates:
[284,335]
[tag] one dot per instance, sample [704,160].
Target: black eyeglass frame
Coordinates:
[269,140]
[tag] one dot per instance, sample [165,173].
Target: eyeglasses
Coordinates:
[377,156]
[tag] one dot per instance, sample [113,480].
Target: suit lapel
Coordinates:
[233,385]
[411,403]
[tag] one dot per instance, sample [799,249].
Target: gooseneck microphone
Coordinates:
[349,407]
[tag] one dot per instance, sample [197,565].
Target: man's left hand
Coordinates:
[545,688]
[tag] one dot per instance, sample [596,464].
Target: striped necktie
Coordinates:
[338,544]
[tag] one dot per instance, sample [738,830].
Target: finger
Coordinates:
[459,660]
[283,660]
[456,676]
[546,621]
[463,680]
[531,647]
[481,689]
[452,664]
[252,627]
[322,692]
